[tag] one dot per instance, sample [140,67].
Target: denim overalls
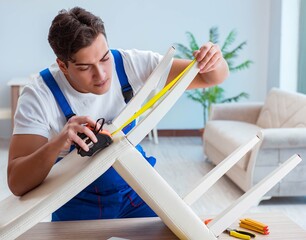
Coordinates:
[109,196]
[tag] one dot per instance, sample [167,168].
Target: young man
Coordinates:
[45,127]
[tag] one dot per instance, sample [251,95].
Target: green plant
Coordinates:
[207,96]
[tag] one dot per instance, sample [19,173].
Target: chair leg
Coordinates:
[150,135]
[155,135]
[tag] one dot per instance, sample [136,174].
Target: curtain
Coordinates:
[302,49]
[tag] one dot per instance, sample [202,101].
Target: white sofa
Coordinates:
[280,121]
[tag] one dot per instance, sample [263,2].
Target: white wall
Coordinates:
[140,24]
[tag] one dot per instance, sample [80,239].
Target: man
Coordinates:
[46,126]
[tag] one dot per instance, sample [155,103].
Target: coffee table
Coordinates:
[281,227]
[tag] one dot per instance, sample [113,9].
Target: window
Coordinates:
[302,50]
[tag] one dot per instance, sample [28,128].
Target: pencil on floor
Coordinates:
[254,226]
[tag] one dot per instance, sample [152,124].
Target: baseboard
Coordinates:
[180,132]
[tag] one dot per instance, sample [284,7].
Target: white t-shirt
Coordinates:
[38,112]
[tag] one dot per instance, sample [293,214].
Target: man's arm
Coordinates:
[213,67]
[31,157]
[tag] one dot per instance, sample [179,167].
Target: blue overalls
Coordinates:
[109,196]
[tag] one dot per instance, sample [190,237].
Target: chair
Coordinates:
[74,173]
[281,124]
[5,113]
[153,134]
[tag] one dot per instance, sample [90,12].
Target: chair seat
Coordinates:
[226,136]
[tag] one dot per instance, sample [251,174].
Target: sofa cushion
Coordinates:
[283,109]
[227,136]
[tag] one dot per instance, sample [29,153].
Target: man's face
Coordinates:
[91,70]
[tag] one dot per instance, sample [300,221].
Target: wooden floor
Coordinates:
[180,160]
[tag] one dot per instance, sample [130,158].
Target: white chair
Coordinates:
[153,134]
[74,173]
[5,113]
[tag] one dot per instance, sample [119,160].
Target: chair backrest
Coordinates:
[283,109]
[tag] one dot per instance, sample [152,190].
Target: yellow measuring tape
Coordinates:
[154,99]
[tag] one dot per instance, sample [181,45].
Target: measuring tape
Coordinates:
[154,99]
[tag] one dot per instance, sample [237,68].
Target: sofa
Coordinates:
[280,122]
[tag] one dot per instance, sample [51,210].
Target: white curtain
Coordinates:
[302,49]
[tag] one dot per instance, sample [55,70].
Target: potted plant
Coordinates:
[207,96]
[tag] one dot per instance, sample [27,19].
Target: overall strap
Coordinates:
[57,93]
[126,88]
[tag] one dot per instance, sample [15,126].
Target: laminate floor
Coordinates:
[180,160]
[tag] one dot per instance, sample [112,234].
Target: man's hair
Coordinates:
[72,30]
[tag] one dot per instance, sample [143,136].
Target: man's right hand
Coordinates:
[76,125]
[31,156]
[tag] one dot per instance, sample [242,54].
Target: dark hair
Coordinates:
[72,30]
